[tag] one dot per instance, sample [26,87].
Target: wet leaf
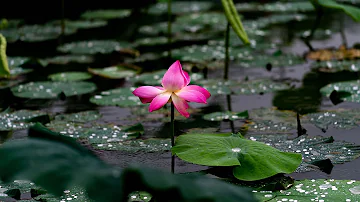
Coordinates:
[16,188]
[66,59]
[299,6]
[252,160]
[116,72]
[80,117]
[147,145]
[351,87]
[258,86]
[21,119]
[140,196]
[47,155]
[154,78]
[106,14]
[311,148]
[82,24]
[93,47]
[17,61]
[351,11]
[217,87]
[70,76]
[16,71]
[151,41]
[315,190]
[36,33]
[283,60]
[181,7]
[9,83]
[337,66]
[73,194]
[49,90]
[319,34]
[339,118]
[221,116]
[122,97]
[271,120]
[160,29]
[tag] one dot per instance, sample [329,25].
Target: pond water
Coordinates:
[301,80]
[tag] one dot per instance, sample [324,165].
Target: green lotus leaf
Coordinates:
[114,72]
[180,7]
[49,90]
[93,47]
[21,119]
[116,97]
[351,87]
[228,115]
[70,76]
[106,14]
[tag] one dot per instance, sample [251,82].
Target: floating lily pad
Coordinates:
[298,6]
[258,86]
[217,87]
[148,145]
[311,148]
[319,34]
[70,76]
[116,72]
[94,47]
[82,24]
[34,33]
[66,59]
[17,61]
[283,60]
[80,117]
[252,160]
[154,78]
[339,118]
[18,71]
[160,28]
[152,41]
[280,19]
[48,90]
[15,189]
[209,19]
[21,119]
[106,14]
[9,83]
[74,194]
[220,116]
[122,97]
[271,120]
[337,66]
[351,87]
[180,7]
[315,190]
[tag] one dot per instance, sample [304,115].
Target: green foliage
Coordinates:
[228,115]
[4,67]
[350,87]
[21,119]
[70,76]
[114,72]
[315,190]
[58,163]
[252,160]
[351,11]
[49,90]
[234,19]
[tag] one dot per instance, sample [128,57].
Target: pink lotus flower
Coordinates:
[175,88]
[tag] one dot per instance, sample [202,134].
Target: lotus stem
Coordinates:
[227,42]
[228,100]
[169,28]
[172,136]
[319,15]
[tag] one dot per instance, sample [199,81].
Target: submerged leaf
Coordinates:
[351,87]
[315,190]
[252,160]
[49,90]
[122,97]
[94,47]
[70,76]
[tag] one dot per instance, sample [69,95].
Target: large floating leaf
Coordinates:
[217,87]
[154,78]
[48,90]
[337,66]
[20,119]
[351,87]
[66,59]
[311,148]
[271,120]
[297,6]
[220,116]
[45,158]
[339,118]
[94,47]
[283,60]
[258,86]
[315,190]
[122,97]
[252,160]
[35,33]
[82,24]
[70,76]
[148,145]
[115,72]
[17,61]
[180,7]
[80,117]
[351,11]
[106,14]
